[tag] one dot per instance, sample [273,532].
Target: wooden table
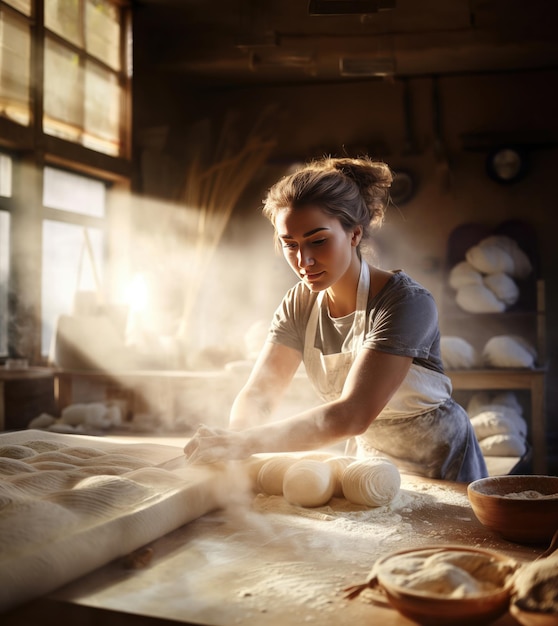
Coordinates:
[261,562]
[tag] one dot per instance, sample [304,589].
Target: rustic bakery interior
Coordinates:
[144,288]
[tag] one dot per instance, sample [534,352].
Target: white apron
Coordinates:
[328,372]
[422,429]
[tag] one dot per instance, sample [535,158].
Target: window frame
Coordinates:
[33,138]
[31,150]
[7,206]
[65,216]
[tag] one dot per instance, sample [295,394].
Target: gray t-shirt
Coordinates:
[402,319]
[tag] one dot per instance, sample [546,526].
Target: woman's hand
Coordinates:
[212,445]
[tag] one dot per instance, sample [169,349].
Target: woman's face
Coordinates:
[316,246]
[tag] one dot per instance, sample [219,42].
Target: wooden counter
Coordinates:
[262,562]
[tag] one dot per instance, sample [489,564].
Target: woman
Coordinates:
[369,340]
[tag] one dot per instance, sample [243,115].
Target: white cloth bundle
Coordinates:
[457,353]
[509,351]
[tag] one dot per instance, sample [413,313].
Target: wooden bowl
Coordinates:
[433,608]
[531,618]
[517,517]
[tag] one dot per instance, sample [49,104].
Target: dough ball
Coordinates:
[503,287]
[464,274]
[490,257]
[509,351]
[252,466]
[535,586]
[478,299]
[498,421]
[371,482]
[457,353]
[339,464]
[271,474]
[503,445]
[44,420]
[309,483]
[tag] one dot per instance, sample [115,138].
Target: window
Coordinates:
[5,192]
[84,65]
[72,245]
[85,86]
[65,93]
[15,58]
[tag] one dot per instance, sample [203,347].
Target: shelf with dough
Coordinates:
[493,334]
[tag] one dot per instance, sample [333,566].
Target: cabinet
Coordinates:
[24,394]
[526,318]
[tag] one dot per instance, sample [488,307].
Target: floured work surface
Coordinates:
[70,504]
[264,562]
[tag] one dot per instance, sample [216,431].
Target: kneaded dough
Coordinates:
[271,474]
[448,573]
[309,483]
[535,587]
[510,351]
[371,482]
[503,445]
[66,510]
[339,464]
[499,421]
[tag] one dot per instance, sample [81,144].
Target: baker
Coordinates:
[369,339]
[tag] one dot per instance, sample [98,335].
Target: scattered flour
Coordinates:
[530,494]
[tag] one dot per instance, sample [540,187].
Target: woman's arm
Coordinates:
[271,375]
[373,379]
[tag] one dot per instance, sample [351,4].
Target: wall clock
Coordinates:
[402,187]
[506,164]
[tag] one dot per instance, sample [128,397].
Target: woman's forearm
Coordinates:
[249,408]
[314,428]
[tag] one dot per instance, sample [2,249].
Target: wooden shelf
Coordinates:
[526,319]
[532,380]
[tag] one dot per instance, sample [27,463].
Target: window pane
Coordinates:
[102,32]
[63,86]
[21,5]
[71,192]
[4,278]
[102,110]
[5,176]
[63,245]
[15,52]
[63,17]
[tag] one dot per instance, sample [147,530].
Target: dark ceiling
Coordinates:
[262,41]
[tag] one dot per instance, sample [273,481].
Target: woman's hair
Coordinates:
[355,191]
